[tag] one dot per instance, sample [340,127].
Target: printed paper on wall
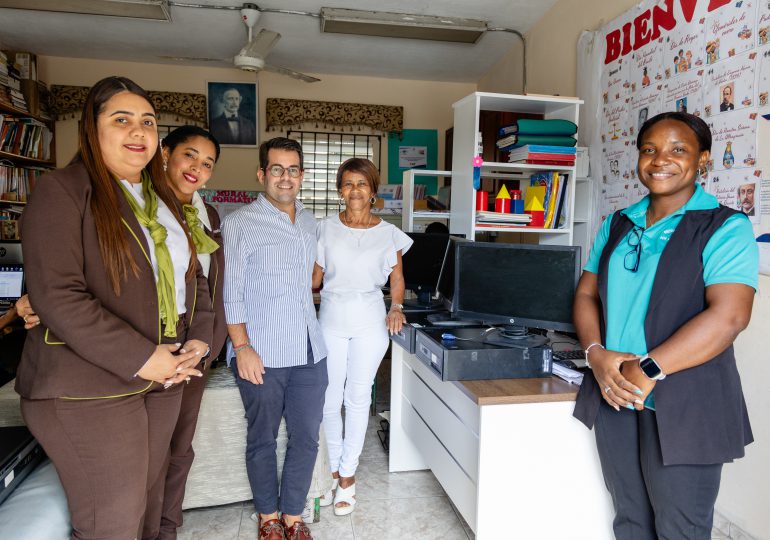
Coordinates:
[733,140]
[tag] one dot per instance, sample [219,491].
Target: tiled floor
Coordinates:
[390,506]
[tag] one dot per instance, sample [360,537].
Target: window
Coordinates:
[324,153]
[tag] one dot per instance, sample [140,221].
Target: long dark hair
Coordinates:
[113,244]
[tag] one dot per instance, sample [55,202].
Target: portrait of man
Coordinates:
[727,91]
[232,111]
[681,105]
[643,113]
[746,198]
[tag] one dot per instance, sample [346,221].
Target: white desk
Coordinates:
[507,452]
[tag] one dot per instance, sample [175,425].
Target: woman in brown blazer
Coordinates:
[189,155]
[125,310]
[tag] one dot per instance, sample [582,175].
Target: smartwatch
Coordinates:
[651,368]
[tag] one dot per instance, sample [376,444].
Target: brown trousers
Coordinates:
[163,514]
[108,452]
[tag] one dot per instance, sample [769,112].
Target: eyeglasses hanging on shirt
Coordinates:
[634,239]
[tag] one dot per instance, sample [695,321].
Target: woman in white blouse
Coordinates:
[357,252]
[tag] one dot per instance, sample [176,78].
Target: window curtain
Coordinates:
[294,113]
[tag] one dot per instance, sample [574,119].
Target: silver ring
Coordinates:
[25,318]
[607,389]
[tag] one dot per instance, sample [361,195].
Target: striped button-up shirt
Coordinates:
[268,286]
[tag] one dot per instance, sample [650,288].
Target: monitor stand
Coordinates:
[516,336]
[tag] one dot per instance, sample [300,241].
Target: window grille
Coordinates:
[323,154]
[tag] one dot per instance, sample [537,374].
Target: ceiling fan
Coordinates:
[252,56]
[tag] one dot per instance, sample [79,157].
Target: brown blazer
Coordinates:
[91,342]
[216,284]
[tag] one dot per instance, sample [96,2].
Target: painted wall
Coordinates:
[427,104]
[551,48]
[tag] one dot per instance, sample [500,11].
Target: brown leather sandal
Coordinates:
[272,529]
[298,531]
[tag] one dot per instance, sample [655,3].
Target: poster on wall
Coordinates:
[734,139]
[685,93]
[225,201]
[730,85]
[730,30]
[737,189]
[710,58]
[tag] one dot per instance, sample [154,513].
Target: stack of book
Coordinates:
[25,136]
[526,131]
[10,85]
[544,155]
[498,219]
[555,204]
[16,183]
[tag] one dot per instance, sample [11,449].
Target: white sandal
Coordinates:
[328,497]
[345,495]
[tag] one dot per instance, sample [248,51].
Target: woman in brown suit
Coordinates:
[189,156]
[125,313]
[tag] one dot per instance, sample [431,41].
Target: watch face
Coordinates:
[650,368]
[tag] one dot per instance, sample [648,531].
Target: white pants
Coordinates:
[352,362]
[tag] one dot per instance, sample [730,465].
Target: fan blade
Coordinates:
[291,73]
[262,44]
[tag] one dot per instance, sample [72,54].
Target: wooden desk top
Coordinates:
[509,391]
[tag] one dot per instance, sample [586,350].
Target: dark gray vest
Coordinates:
[701,413]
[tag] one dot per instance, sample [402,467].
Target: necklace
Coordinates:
[356,236]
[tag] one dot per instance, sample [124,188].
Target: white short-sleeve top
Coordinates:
[358,261]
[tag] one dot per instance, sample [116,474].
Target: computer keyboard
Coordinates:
[575,359]
[577,354]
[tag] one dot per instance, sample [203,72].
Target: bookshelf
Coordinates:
[27,150]
[408,213]
[467,112]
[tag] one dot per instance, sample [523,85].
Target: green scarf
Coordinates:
[148,218]
[203,243]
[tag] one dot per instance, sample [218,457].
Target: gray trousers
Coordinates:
[652,501]
[296,394]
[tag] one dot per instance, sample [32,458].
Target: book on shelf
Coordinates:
[499,217]
[16,183]
[529,126]
[25,137]
[546,162]
[529,149]
[512,142]
[555,195]
[489,225]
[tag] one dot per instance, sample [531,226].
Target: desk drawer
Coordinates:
[456,437]
[457,484]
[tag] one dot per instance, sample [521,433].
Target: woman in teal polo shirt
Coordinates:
[667,288]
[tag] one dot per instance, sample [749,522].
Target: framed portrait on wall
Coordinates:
[232,109]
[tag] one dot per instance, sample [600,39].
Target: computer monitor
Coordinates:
[422,265]
[446,283]
[11,284]
[517,285]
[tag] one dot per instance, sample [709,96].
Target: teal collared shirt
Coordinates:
[730,256]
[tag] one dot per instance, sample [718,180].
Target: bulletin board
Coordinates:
[710,58]
[408,147]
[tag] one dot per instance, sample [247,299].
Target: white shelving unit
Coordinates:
[582,223]
[466,129]
[408,214]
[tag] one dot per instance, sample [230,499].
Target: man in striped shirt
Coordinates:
[280,356]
